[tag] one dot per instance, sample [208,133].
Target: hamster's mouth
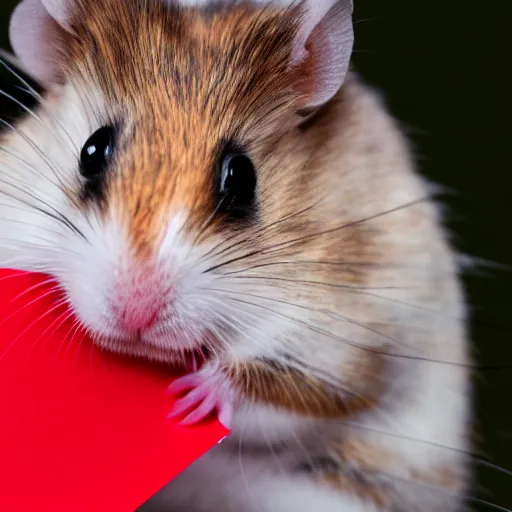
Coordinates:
[187,358]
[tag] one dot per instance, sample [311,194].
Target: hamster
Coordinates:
[211,184]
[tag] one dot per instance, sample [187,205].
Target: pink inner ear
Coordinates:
[323,48]
[59,10]
[315,11]
[32,33]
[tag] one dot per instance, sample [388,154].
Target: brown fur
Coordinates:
[367,491]
[367,460]
[191,90]
[370,460]
[300,394]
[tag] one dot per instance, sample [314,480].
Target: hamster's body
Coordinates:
[330,311]
[394,453]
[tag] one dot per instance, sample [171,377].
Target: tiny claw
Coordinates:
[204,392]
[184,383]
[199,414]
[188,402]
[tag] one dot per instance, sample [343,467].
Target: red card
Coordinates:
[80,429]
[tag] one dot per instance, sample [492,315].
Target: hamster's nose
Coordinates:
[137,317]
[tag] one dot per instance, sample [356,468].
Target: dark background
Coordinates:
[442,64]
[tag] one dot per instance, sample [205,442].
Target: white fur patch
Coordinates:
[230,483]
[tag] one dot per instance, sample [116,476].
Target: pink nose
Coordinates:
[136,318]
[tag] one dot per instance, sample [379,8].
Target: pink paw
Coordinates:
[205,391]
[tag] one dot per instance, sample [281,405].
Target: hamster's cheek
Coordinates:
[87,292]
[87,273]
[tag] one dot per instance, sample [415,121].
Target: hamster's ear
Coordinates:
[322,48]
[35,29]
[59,10]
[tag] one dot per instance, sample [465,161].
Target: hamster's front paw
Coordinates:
[205,391]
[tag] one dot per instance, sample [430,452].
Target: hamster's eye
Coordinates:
[97,152]
[237,184]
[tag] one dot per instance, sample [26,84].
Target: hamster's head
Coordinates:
[174,163]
